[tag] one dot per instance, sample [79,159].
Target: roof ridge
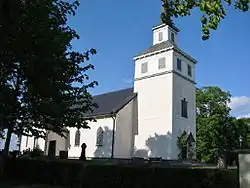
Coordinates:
[113,91]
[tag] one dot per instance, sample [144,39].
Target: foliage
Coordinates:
[43,82]
[1,133]
[70,173]
[246,121]
[182,145]
[141,153]
[186,146]
[36,152]
[216,130]
[43,171]
[212,11]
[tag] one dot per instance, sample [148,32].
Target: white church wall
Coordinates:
[124,134]
[28,143]
[88,136]
[183,89]
[154,112]
[61,143]
[152,62]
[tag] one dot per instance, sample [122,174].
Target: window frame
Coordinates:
[172,37]
[160,36]
[179,64]
[189,67]
[184,108]
[144,69]
[77,138]
[161,62]
[99,137]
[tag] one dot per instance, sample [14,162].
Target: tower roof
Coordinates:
[166,45]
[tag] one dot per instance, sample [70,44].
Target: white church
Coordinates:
[143,121]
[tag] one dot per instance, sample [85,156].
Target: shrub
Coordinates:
[140,177]
[36,152]
[73,173]
[37,171]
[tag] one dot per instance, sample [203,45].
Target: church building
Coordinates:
[143,121]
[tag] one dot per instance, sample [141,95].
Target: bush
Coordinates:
[35,171]
[71,173]
[139,177]
[35,153]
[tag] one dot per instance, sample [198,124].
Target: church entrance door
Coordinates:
[52,148]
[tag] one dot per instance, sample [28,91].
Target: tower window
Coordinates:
[162,63]
[189,70]
[160,36]
[172,37]
[184,112]
[77,138]
[179,64]
[144,67]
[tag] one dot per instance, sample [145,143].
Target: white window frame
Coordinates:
[144,67]
[162,63]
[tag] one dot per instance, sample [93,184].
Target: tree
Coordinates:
[245,122]
[43,82]
[182,145]
[217,131]
[212,11]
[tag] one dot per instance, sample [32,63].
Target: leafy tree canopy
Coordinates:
[43,82]
[212,11]
[217,131]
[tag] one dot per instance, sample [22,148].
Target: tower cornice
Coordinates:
[163,25]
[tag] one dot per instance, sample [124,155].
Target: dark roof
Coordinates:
[112,101]
[157,47]
[165,45]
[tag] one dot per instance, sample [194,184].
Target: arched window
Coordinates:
[77,138]
[99,137]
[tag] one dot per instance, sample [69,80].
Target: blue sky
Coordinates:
[119,30]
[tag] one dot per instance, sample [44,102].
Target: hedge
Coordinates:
[75,174]
[52,172]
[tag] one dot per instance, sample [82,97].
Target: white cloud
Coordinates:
[240,106]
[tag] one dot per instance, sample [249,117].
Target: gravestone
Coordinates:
[244,167]
[83,153]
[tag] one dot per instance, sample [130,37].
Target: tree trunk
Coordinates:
[7,141]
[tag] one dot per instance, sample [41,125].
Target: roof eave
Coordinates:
[163,25]
[186,55]
[152,53]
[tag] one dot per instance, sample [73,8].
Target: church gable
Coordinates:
[112,102]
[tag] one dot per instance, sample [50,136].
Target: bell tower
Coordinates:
[164,81]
